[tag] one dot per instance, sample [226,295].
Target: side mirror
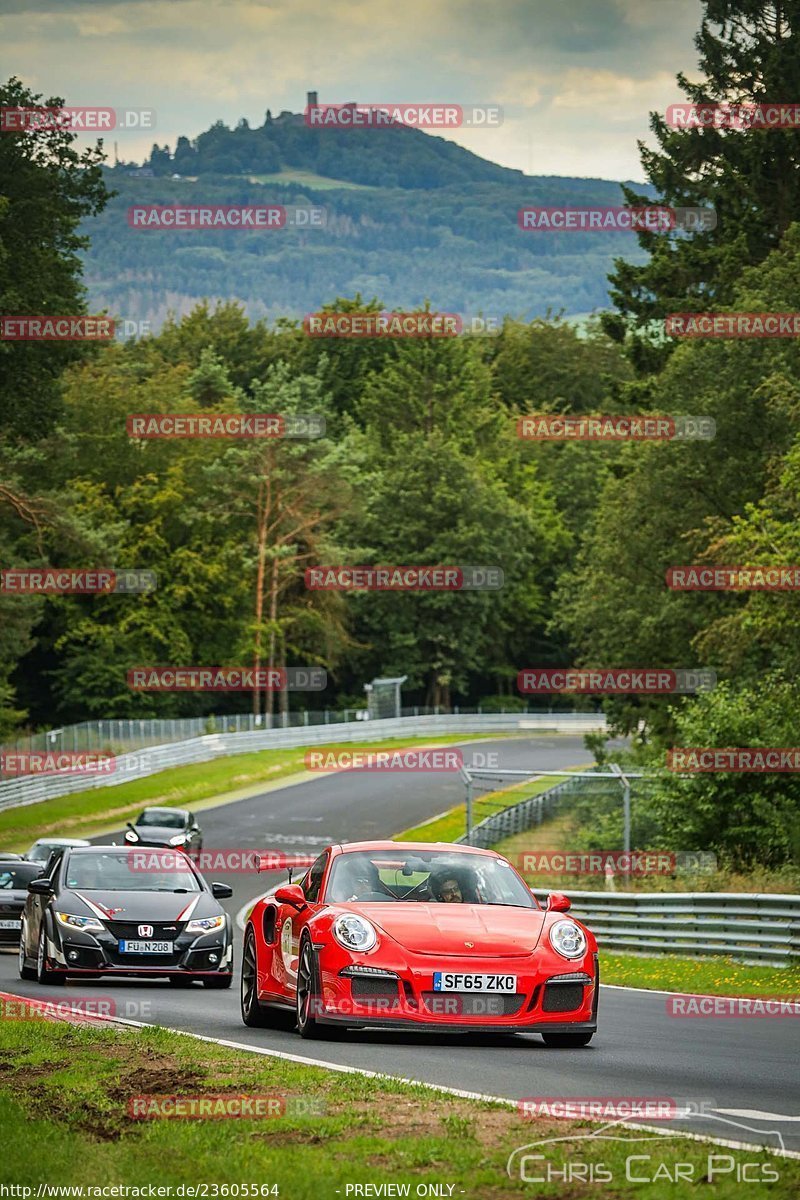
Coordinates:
[221,891]
[291,894]
[558,902]
[41,887]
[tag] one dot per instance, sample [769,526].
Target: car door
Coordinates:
[290,923]
[36,905]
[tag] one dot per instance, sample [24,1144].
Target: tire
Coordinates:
[216,982]
[254,1013]
[43,975]
[308,994]
[566,1041]
[25,972]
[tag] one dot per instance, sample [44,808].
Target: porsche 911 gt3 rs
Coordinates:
[415,936]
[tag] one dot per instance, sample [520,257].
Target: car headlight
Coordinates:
[75,922]
[354,933]
[205,924]
[130,836]
[568,939]
[176,841]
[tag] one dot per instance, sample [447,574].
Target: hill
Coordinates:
[410,217]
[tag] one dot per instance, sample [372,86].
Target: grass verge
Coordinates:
[85,813]
[450,825]
[65,1094]
[703,976]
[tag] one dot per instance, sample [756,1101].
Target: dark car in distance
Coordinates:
[100,910]
[167,827]
[15,875]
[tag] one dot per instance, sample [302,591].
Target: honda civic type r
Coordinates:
[421,936]
[109,910]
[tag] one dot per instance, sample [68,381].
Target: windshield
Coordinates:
[167,818]
[426,877]
[17,876]
[41,851]
[107,871]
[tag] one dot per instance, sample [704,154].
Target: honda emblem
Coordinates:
[145,931]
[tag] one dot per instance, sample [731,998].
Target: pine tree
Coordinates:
[748,55]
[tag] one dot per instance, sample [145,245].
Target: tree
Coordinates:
[47,188]
[751,178]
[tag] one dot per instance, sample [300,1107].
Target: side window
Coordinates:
[53,863]
[311,883]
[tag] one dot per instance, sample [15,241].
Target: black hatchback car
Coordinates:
[116,910]
[166,827]
[15,876]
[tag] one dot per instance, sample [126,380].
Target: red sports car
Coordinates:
[432,937]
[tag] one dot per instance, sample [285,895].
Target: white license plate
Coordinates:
[10,924]
[145,947]
[447,981]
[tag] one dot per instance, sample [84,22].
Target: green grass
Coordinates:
[704,976]
[64,1095]
[199,785]
[450,825]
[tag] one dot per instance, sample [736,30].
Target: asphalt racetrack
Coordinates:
[741,1072]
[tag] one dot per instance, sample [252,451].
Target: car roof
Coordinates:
[124,848]
[54,841]
[402,847]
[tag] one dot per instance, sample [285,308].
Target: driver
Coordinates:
[446,887]
[359,876]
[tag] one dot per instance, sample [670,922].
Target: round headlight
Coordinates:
[354,933]
[568,939]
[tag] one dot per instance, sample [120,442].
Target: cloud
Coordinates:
[577,80]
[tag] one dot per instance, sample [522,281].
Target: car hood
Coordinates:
[157,834]
[465,930]
[140,906]
[13,896]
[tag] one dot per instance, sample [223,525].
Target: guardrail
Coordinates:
[749,926]
[33,789]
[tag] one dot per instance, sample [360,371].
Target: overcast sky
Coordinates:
[576,80]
